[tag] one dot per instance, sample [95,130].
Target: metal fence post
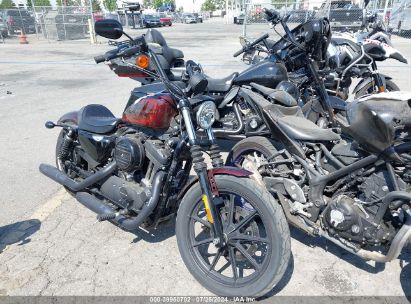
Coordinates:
[245,18]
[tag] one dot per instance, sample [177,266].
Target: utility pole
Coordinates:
[245,18]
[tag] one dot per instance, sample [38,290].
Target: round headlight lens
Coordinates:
[206,114]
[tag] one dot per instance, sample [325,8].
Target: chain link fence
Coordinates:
[345,15]
[51,23]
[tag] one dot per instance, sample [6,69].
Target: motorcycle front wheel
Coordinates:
[369,88]
[256,249]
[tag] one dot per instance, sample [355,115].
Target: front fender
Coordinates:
[226,170]
[69,118]
[367,80]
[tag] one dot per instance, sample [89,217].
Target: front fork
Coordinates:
[379,82]
[207,184]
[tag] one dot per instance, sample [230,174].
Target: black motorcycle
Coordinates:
[348,57]
[350,185]
[134,171]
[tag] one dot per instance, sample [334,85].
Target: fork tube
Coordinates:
[200,168]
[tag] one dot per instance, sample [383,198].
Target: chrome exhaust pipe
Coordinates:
[218,132]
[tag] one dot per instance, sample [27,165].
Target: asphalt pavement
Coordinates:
[51,245]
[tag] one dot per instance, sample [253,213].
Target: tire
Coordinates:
[390,86]
[255,143]
[273,221]
[58,163]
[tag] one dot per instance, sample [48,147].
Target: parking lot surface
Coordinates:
[51,245]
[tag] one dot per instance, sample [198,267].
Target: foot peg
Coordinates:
[106,217]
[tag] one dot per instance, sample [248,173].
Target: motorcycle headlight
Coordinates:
[206,114]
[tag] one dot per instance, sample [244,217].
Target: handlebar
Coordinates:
[100,59]
[248,46]
[122,51]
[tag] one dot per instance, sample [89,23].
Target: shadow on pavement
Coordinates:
[18,232]
[284,280]
[337,251]
[164,231]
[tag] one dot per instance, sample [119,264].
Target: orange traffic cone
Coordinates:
[23,38]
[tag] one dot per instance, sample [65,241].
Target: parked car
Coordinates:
[165,20]
[198,17]
[239,19]
[3,28]
[351,18]
[189,18]
[150,20]
[71,26]
[19,20]
[300,16]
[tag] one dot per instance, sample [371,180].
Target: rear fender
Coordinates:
[70,118]
[226,170]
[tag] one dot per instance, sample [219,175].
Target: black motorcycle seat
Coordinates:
[176,53]
[292,121]
[221,84]
[171,54]
[276,95]
[97,119]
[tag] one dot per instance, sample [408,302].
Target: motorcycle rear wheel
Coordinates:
[254,259]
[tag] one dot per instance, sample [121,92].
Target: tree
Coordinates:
[110,5]
[7,4]
[219,4]
[208,6]
[157,3]
[41,2]
[147,3]
[95,5]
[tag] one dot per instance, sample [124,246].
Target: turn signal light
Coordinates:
[143,61]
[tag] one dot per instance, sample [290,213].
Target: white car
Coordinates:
[189,18]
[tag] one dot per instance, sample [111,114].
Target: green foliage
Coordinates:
[96,7]
[219,4]
[110,5]
[41,2]
[208,6]
[157,3]
[147,3]
[7,4]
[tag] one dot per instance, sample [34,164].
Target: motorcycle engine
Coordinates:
[347,218]
[129,153]
[138,160]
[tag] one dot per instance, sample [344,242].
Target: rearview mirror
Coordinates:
[109,28]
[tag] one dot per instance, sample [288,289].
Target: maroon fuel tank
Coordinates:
[155,111]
